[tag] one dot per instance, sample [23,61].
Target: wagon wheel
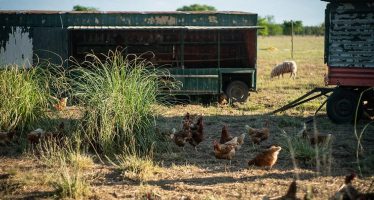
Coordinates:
[341,106]
[237,91]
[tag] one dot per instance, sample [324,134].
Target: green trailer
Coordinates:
[209,52]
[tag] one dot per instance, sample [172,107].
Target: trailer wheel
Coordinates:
[368,107]
[341,106]
[237,91]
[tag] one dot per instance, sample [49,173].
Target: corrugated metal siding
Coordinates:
[350,39]
[49,28]
[50,44]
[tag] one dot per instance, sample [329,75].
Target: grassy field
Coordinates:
[175,173]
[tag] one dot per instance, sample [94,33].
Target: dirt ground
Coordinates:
[198,175]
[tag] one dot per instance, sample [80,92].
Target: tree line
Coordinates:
[271,28]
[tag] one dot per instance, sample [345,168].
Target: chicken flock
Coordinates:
[192,132]
[227,146]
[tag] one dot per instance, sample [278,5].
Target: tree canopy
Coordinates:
[197,7]
[270,27]
[84,8]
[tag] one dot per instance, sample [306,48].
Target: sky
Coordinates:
[311,12]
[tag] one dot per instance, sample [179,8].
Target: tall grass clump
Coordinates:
[300,149]
[27,93]
[118,94]
[23,99]
[70,183]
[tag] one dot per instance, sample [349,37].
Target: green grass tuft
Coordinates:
[118,95]
[23,99]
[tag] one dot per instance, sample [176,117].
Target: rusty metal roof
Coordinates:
[162,27]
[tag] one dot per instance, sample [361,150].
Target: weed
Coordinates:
[136,168]
[70,183]
[302,150]
[53,153]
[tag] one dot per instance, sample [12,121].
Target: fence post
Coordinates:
[291,39]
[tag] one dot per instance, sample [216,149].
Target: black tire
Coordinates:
[237,91]
[341,106]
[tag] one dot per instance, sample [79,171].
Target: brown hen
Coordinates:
[258,135]
[61,105]
[197,133]
[225,136]
[290,195]
[181,137]
[316,137]
[224,151]
[347,191]
[267,158]
[187,119]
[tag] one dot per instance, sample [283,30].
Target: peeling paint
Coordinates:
[43,21]
[161,20]
[97,20]
[213,19]
[18,49]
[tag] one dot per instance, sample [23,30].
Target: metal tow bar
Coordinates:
[305,98]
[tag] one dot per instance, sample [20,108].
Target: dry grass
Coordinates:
[137,168]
